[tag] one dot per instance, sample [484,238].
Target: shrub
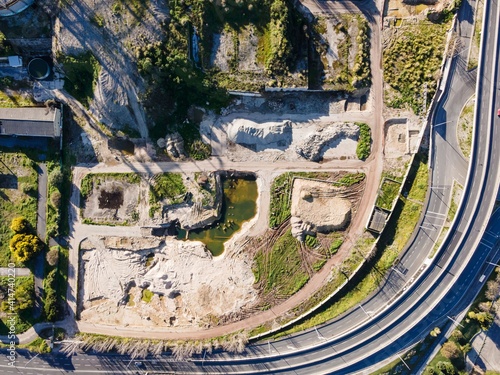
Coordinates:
[364,141]
[53,256]
[50,300]
[55,198]
[20,225]
[25,246]
[450,350]
[55,177]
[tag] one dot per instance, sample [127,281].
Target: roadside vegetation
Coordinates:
[387,194]
[452,210]
[412,62]
[169,186]
[18,192]
[81,74]
[465,127]
[364,141]
[137,348]
[391,242]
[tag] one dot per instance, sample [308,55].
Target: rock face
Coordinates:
[316,207]
[260,136]
[313,146]
[173,144]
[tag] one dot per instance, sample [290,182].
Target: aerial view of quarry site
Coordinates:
[249,186]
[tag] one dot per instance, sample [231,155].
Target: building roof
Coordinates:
[30,121]
[15,61]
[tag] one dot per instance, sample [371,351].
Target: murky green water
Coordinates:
[240,196]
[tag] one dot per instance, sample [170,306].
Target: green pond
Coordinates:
[240,196]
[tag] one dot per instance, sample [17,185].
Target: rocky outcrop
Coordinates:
[260,136]
[314,145]
[173,144]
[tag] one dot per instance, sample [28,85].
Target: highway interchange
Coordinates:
[382,326]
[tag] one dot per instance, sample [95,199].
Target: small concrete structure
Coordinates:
[15,61]
[31,122]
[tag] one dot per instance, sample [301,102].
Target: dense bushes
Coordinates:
[412,63]
[23,244]
[364,141]
[80,76]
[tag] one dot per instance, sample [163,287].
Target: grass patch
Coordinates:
[364,141]
[388,193]
[81,74]
[280,271]
[412,62]
[18,196]
[147,295]
[24,302]
[167,186]
[14,100]
[465,127]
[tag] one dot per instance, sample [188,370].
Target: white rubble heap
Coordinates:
[187,283]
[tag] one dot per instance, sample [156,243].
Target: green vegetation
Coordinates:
[18,193]
[336,245]
[147,295]
[11,100]
[350,179]
[412,62]
[5,48]
[97,20]
[364,141]
[179,79]
[50,297]
[24,297]
[167,186]
[280,271]
[465,127]
[23,244]
[392,241]
[342,76]
[92,180]
[281,190]
[136,7]
[81,74]
[387,194]
[55,201]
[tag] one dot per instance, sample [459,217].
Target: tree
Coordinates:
[493,289]
[450,350]
[20,225]
[24,246]
[446,368]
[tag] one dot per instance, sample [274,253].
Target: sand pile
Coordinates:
[317,207]
[158,281]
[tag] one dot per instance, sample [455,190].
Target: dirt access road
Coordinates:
[372,168]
